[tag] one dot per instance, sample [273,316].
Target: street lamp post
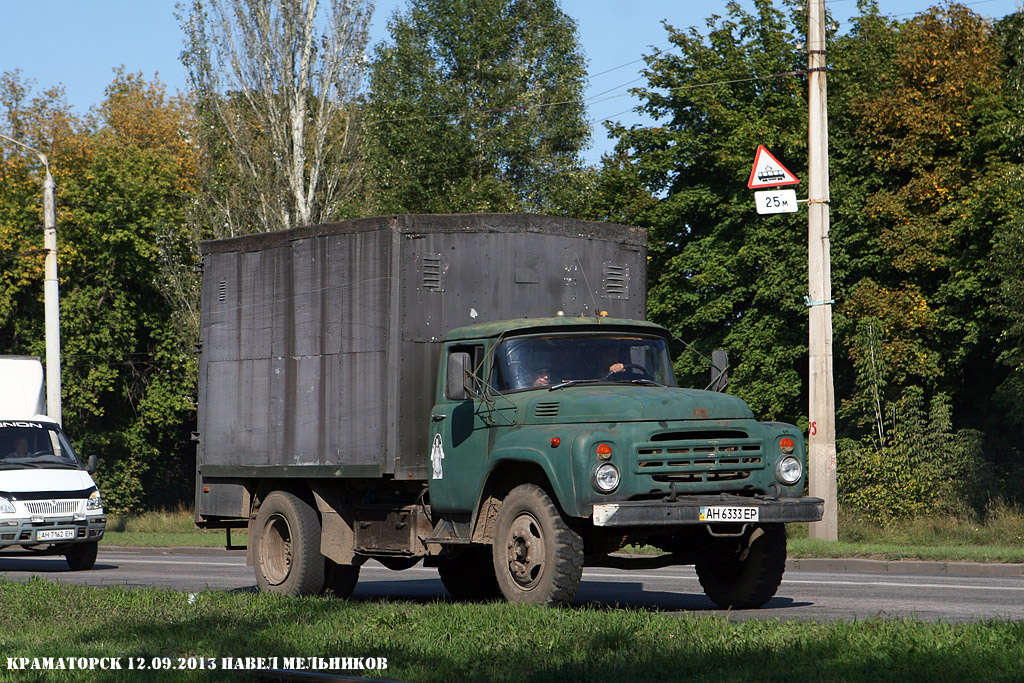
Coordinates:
[51,294]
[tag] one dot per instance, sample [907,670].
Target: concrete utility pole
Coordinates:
[51,301]
[821,413]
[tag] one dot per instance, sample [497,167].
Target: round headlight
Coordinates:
[605,477]
[789,470]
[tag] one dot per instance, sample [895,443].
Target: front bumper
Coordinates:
[51,530]
[687,510]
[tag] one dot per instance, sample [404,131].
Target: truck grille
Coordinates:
[53,507]
[697,457]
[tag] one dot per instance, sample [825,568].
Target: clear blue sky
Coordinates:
[78,43]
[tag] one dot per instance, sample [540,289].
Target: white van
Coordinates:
[48,501]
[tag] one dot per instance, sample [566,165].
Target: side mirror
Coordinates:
[719,370]
[91,465]
[456,389]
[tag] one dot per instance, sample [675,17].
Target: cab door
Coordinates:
[459,431]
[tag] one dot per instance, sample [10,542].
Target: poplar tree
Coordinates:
[476,106]
[276,85]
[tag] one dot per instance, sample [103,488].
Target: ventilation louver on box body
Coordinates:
[433,273]
[616,281]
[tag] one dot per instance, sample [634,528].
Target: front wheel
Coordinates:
[82,556]
[744,573]
[287,554]
[538,557]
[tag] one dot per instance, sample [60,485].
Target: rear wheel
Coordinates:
[744,573]
[287,554]
[469,575]
[538,557]
[82,555]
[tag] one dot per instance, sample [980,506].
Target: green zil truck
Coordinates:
[479,393]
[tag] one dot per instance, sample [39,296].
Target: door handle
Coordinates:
[437,418]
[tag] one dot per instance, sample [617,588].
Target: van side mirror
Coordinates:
[456,389]
[91,465]
[719,370]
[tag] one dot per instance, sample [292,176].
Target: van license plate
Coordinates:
[55,534]
[728,513]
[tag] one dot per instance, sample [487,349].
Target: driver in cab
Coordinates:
[541,377]
[20,448]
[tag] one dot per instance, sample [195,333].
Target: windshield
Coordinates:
[548,361]
[28,444]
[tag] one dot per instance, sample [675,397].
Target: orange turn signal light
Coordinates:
[787,445]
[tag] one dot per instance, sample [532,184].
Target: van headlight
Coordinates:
[7,506]
[789,470]
[95,501]
[605,477]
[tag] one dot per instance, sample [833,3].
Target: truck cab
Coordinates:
[585,413]
[49,502]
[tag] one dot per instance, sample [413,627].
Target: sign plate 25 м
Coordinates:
[776,201]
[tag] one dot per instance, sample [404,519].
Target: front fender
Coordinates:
[557,470]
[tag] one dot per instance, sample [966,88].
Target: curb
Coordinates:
[906,567]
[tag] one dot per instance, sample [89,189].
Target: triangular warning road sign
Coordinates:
[768,172]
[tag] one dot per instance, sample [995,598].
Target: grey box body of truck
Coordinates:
[319,344]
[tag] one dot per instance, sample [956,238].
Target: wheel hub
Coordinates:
[276,550]
[526,554]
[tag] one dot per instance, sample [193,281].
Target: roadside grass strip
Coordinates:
[446,642]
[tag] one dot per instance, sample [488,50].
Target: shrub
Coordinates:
[923,467]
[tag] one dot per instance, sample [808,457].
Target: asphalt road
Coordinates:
[806,594]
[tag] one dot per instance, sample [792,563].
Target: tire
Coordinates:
[469,575]
[82,556]
[538,557]
[340,579]
[736,576]
[287,555]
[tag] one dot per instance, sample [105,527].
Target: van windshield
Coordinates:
[27,444]
[550,361]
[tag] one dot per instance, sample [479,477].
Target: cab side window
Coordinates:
[474,369]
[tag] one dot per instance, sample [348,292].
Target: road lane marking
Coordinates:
[191,563]
[588,574]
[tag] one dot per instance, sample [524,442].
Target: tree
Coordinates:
[476,106]
[921,190]
[276,90]
[925,178]
[719,274]
[123,177]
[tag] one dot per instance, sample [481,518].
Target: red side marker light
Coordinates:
[555,442]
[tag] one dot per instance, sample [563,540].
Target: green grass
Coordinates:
[964,537]
[955,538]
[165,528]
[445,642]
